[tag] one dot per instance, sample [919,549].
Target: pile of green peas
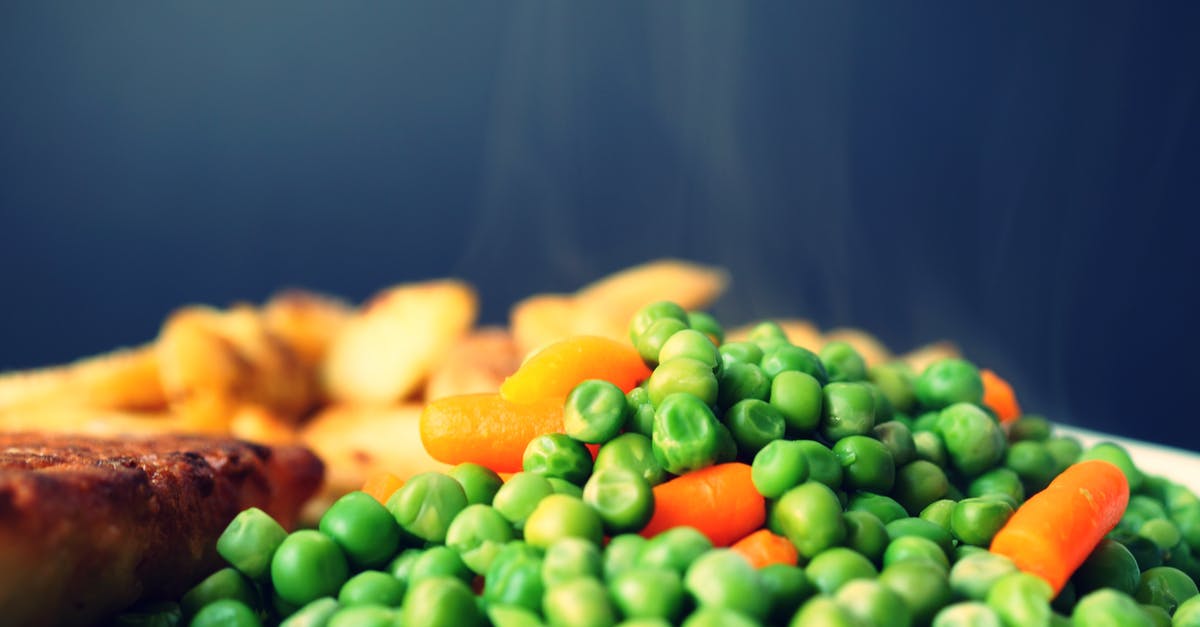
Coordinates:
[889,483]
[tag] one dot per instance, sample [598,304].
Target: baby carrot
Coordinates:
[555,370]
[763,548]
[382,485]
[720,501]
[999,397]
[1053,532]
[486,429]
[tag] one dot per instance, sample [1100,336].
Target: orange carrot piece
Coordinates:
[486,429]
[1053,532]
[720,501]
[555,370]
[998,395]
[763,548]
[382,485]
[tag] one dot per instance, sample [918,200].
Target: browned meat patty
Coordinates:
[88,525]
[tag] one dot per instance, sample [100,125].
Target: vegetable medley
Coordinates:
[681,479]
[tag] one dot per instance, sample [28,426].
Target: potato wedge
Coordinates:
[478,363]
[123,379]
[386,351]
[307,322]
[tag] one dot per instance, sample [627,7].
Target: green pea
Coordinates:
[909,548]
[723,578]
[363,616]
[929,447]
[1021,599]
[648,593]
[595,411]
[973,575]
[518,497]
[918,484]
[226,583]
[633,452]
[866,464]
[1119,457]
[783,357]
[1029,427]
[439,561]
[873,603]
[1165,587]
[797,396]
[621,497]
[647,315]
[562,486]
[1065,450]
[842,362]
[865,534]
[226,613]
[976,520]
[923,528]
[649,345]
[1158,616]
[714,616]
[926,421]
[1142,508]
[973,440]
[515,578]
[478,534]
[249,542]
[558,455]
[426,504]
[372,587]
[441,602]
[967,614]
[559,516]
[823,465]
[363,528]
[787,587]
[706,324]
[314,614]
[740,353]
[685,434]
[674,549]
[822,611]
[922,585]
[739,381]
[479,483]
[692,344]
[1033,464]
[846,409]
[948,381]
[1003,481]
[810,515]
[726,447]
[833,567]
[1145,552]
[569,558]
[885,508]
[579,602]
[622,554]
[513,616]
[939,512]
[682,375]
[898,439]
[401,566]
[1162,532]
[308,565]
[641,420]
[1109,607]
[1188,613]
[754,424]
[896,381]
[778,467]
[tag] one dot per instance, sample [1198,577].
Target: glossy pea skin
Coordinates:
[823,611]
[401,566]
[579,602]
[976,520]
[832,568]
[363,528]
[867,464]
[1165,587]
[682,375]
[1119,457]
[559,516]
[316,612]
[363,616]
[1188,613]
[779,467]
[939,512]
[518,497]
[1065,450]
[783,357]
[967,614]
[648,593]
[1145,551]
[649,314]
[674,549]
[621,497]
[1161,532]
[562,486]
[754,424]
[692,344]
[621,554]
[426,504]
[842,362]
[723,578]
[1109,607]
[973,575]
[512,616]
[739,381]
[739,353]
[895,380]
[810,515]
[885,508]
[1109,565]
[1029,427]
[823,465]
[948,381]
[595,411]
[438,561]
[866,534]
[897,437]
[918,484]
[929,447]
[797,396]
[973,440]
[1021,599]
[705,323]
[226,613]
[226,583]
[558,455]
[372,587]
[515,578]
[249,542]
[479,483]
[715,616]
[846,409]
[923,528]
[1003,481]
[308,565]
[569,558]
[787,587]
[478,534]
[873,603]
[1032,463]
[685,434]
[441,602]
[922,585]
[631,451]
[915,548]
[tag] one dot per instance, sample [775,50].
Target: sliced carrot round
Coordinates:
[555,370]
[486,429]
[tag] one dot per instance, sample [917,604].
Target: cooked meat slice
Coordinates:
[90,525]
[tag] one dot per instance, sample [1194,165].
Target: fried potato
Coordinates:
[386,351]
[478,363]
[872,350]
[67,417]
[357,442]
[123,379]
[542,319]
[620,295]
[307,322]
[920,358]
[259,424]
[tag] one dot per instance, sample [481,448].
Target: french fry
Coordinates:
[478,363]
[920,358]
[384,353]
[123,379]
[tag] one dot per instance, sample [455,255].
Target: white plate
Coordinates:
[1178,465]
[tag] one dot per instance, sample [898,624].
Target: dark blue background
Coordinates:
[1021,179]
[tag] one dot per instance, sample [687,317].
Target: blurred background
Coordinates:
[1023,181]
